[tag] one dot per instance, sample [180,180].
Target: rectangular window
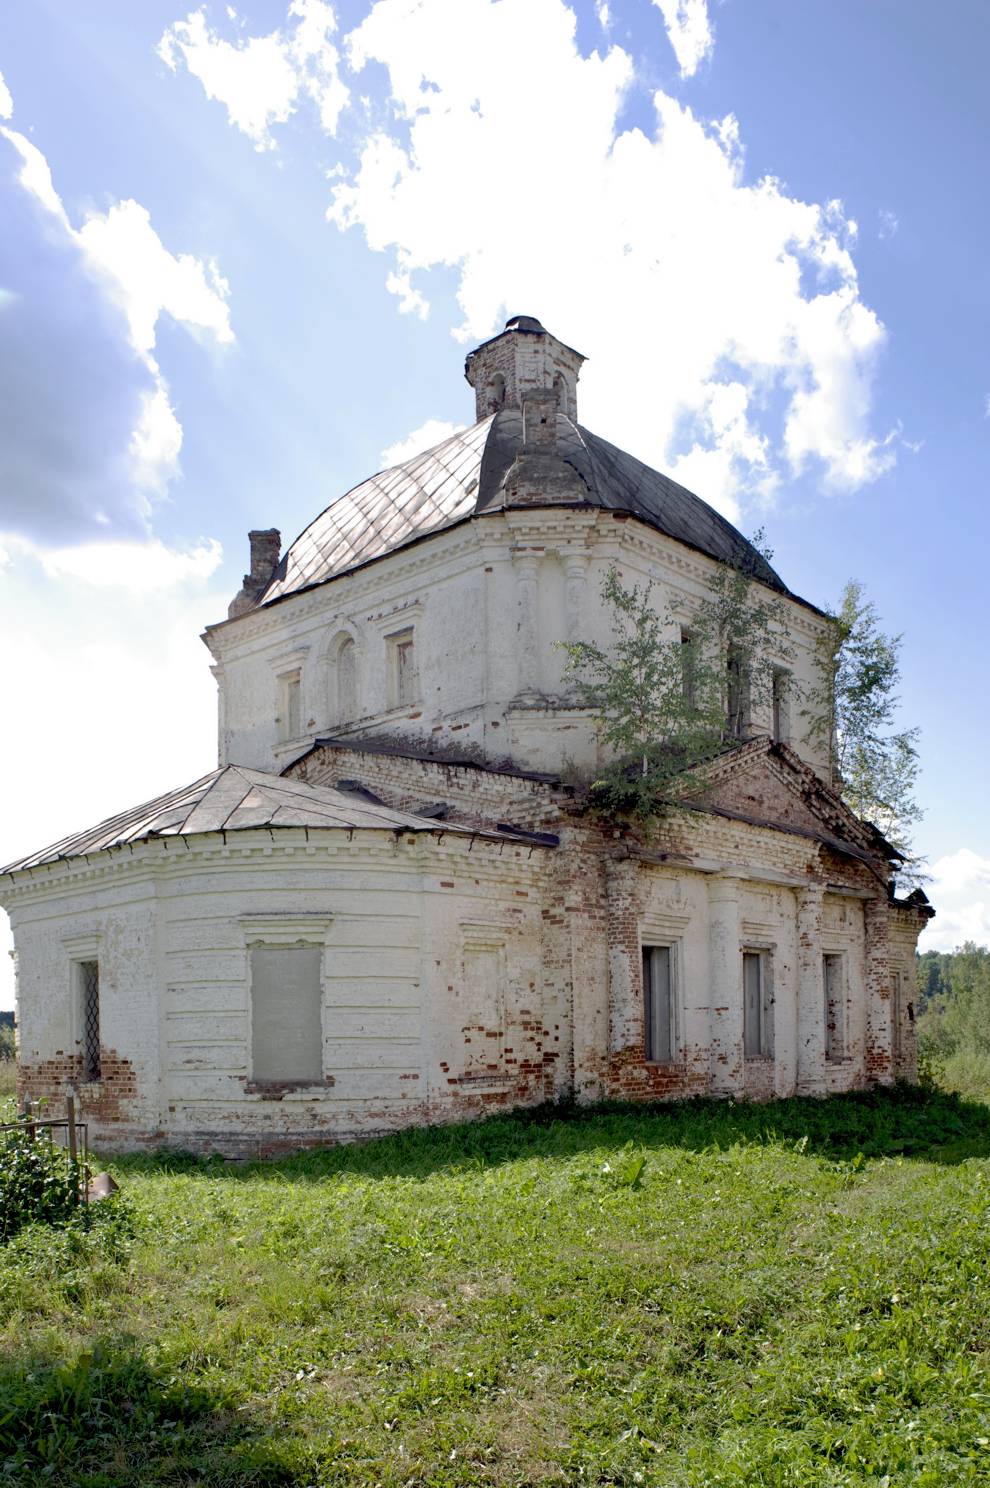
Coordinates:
[290,711]
[88,979]
[689,679]
[286,1022]
[737,693]
[781,706]
[835,1006]
[757,1005]
[896,1013]
[402,684]
[658,1004]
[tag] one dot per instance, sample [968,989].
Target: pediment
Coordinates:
[767,784]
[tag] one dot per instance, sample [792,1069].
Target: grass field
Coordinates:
[795,1294]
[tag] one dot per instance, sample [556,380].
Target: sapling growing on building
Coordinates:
[668,695]
[851,713]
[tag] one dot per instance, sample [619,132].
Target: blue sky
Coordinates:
[244,249]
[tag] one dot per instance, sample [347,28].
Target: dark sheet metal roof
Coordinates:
[234,798]
[464,476]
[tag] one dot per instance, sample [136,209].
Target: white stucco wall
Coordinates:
[171,926]
[487,602]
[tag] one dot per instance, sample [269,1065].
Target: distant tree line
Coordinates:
[954,1016]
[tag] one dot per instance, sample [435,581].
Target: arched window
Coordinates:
[560,388]
[497,399]
[344,703]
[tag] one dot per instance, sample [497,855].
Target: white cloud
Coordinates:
[260,80]
[122,253]
[689,30]
[148,281]
[889,222]
[960,892]
[433,432]
[726,332]
[140,567]
[6,102]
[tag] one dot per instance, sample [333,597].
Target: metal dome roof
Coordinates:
[465,476]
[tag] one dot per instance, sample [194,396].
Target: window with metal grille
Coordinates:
[781,706]
[89,1001]
[660,1024]
[835,1007]
[737,692]
[689,669]
[757,1005]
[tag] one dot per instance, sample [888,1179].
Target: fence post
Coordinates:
[70,1115]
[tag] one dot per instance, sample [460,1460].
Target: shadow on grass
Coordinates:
[107,1419]
[903,1122]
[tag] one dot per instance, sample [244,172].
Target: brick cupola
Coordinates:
[523,359]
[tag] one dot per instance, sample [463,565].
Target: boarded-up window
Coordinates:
[290,715]
[401,669]
[88,979]
[658,1004]
[346,710]
[835,1007]
[757,1005]
[483,1002]
[286,1023]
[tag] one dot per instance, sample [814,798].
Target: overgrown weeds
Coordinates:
[703,1296]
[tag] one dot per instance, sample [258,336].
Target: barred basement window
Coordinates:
[88,977]
[659,1019]
[835,1007]
[757,1005]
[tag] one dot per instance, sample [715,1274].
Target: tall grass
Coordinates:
[705,1295]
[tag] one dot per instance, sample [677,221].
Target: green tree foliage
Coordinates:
[669,697]
[954,1026]
[957,1015]
[852,711]
[39,1182]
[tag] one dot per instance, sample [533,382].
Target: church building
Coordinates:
[390,903]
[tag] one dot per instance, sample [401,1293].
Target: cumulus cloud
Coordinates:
[727,336]
[6,102]
[689,30]
[88,436]
[960,892]
[433,432]
[261,79]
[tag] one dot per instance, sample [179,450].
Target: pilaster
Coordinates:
[879,1060]
[810,992]
[526,570]
[725,949]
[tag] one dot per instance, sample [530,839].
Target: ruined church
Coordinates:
[390,904]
